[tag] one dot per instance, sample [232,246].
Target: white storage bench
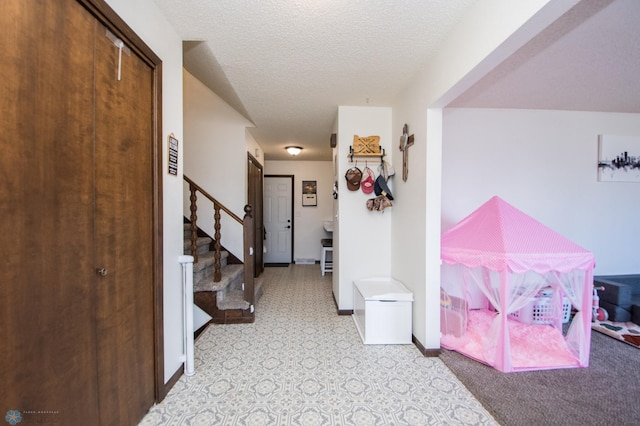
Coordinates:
[382,311]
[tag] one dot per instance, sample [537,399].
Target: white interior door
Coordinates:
[278,220]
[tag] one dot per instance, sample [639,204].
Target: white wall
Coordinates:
[215,158]
[488,33]
[307,221]
[146,20]
[253,148]
[545,164]
[364,237]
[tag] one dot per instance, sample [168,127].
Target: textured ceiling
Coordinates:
[288,64]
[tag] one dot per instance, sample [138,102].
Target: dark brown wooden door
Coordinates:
[47,277]
[75,191]
[123,232]
[255,196]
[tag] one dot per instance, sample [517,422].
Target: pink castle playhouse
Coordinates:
[509,287]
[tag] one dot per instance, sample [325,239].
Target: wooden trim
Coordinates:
[164,389]
[248,238]
[254,161]
[429,353]
[257,205]
[158,247]
[213,200]
[198,332]
[110,19]
[341,311]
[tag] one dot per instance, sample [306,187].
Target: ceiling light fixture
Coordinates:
[293,150]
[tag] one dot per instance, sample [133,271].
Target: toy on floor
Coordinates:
[599,314]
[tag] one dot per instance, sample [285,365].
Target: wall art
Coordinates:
[309,193]
[173,155]
[618,158]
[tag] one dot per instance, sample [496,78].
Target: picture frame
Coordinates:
[309,193]
[173,155]
[618,158]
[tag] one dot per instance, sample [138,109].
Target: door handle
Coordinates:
[287,227]
[102,272]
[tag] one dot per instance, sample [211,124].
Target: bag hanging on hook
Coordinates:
[379,203]
[386,170]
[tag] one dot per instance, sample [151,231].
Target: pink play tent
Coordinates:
[509,284]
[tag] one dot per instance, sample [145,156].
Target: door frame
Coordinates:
[255,195]
[293,219]
[108,17]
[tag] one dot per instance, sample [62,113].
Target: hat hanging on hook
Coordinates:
[353,177]
[367,182]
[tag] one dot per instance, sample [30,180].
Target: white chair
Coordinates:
[326,265]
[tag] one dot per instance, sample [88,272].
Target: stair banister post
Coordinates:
[194,228]
[249,264]
[217,268]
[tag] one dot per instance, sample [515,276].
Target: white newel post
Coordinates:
[187,284]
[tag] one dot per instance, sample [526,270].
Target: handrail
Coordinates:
[213,200]
[248,236]
[248,231]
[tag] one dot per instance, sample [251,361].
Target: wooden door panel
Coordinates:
[54,305]
[46,203]
[124,230]
[256,200]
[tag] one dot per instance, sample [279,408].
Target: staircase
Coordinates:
[224,299]
[223,286]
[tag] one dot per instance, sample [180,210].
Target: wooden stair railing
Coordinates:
[248,237]
[249,267]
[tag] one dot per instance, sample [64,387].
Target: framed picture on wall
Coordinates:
[618,158]
[309,193]
[173,155]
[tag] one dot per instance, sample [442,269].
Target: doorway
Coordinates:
[278,219]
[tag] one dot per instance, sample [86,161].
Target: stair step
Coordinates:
[206,269]
[230,274]
[233,296]
[187,231]
[202,244]
[234,299]
[206,260]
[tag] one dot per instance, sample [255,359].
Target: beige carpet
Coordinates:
[605,393]
[302,364]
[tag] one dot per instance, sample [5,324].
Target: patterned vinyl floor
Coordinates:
[302,364]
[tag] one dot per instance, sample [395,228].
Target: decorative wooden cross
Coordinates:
[405,142]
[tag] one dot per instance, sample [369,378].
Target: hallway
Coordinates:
[302,364]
